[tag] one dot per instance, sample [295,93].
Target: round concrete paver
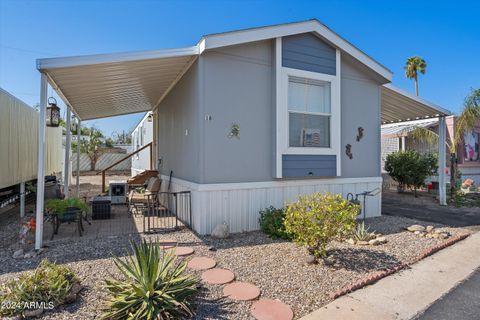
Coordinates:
[218,276]
[201,263]
[241,291]
[183,251]
[267,309]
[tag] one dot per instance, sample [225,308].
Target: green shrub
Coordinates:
[317,219]
[271,222]
[154,286]
[410,168]
[48,285]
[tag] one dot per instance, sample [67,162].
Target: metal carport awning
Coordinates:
[106,85]
[399,106]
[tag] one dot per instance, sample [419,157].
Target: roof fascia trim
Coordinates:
[65,62]
[269,32]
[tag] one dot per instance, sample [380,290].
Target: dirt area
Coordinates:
[91,185]
[279,268]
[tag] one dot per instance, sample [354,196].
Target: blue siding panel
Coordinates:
[308,52]
[309,166]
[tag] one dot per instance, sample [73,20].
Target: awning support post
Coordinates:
[442,155]
[66,171]
[41,162]
[78,156]
[22,199]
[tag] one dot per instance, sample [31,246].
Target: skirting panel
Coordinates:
[238,204]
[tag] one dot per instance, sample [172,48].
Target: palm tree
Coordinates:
[413,66]
[465,122]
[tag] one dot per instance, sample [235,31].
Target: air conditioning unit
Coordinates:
[118,191]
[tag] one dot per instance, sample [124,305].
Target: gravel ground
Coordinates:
[277,267]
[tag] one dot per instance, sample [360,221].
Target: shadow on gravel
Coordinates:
[211,308]
[362,260]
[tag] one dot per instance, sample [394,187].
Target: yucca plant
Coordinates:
[154,286]
[362,233]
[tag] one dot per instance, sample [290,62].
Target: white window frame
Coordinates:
[282,143]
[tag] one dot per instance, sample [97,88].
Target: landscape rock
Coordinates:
[382,239]
[221,231]
[18,254]
[311,259]
[33,313]
[444,235]
[362,243]
[417,232]
[438,231]
[416,227]
[30,254]
[351,241]
[374,242]
[429,228]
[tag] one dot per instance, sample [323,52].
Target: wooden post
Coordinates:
[103,181]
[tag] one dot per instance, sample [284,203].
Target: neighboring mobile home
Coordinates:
[141,136]
[397,137]
[251,118]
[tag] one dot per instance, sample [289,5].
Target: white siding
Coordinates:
[238,204]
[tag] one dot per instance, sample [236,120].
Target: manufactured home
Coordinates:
[141,136]
[251,118]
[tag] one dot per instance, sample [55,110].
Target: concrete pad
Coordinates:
[348,308]
[409,292]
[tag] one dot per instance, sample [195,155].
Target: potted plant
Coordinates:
[66,210]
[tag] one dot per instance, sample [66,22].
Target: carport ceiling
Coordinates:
[101,86]
[399,106]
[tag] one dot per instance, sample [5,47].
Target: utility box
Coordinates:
[118,191]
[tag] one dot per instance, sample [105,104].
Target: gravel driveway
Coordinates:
[277,267]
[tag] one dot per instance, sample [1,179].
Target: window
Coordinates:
[309,113]
[471,140]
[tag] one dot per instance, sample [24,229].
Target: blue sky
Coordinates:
[445,34]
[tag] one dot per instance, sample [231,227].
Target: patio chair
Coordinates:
[138,201]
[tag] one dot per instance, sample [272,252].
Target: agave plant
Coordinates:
[155,286]
[362,233]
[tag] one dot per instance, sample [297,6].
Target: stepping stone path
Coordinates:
[241,291]
[268,309]
[183,251]
[218,276]
[201,263]
[263,309]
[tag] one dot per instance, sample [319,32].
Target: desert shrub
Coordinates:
[315,220]
[271,222]
[46,287]
[154,286]
[410,168]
